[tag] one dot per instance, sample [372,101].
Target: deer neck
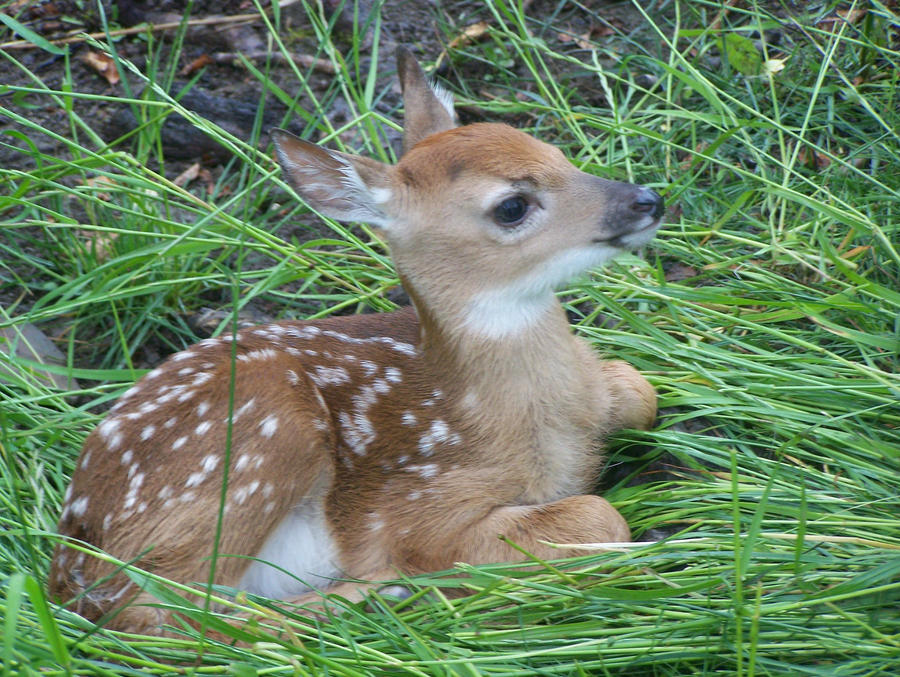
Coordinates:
[511,351]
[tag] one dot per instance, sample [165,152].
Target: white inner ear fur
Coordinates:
[366,200]
[444,97]
[509,309]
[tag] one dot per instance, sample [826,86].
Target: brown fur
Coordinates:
[419,435]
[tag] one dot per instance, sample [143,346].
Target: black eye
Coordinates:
[511,211]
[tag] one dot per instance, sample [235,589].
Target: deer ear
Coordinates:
[343,186]
[428,108]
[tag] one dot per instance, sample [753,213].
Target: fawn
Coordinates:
[369,445]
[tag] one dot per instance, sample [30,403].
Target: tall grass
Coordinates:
[766,313]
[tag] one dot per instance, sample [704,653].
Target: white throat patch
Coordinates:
[512,308]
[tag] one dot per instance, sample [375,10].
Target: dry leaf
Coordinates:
[187,175]
[679,271]
[852,15]
[99,242]
[856,250]
[470,34]
[586,40]
[99,181]
[103,64]
[813,159]
[195,65]
[207,178]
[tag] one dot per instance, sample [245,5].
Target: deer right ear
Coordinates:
[343,186]
[428,108]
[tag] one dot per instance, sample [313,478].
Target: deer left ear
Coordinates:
[343,186]
[428,108]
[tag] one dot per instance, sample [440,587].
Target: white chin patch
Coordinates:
[512,308]
[642,235]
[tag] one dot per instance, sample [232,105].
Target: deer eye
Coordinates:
[511,212]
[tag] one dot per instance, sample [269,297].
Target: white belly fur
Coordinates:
[302,546]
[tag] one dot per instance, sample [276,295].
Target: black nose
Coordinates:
[649,202]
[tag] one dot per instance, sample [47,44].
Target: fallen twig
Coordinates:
[142,28]
[304,60]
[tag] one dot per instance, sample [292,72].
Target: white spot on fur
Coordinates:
[210,461]
[177,444]
[147,432]
[203,428]
[247,406]
[369,367]
[79,506]
[186,371]
[108,427]
[147,407]
[133,390]
[155,373]
[262,354]
[292,377]
[268,426]
[306,332]
[86,460]
[195,479]
[471,400]
[329,376]
[358,431]
[133,488]
[405,348]
[393,374]
[201,378]
[425,471]
[201,409]
[171,422]
[127,456]
[438,432]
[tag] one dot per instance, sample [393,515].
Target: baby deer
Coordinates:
[365,446]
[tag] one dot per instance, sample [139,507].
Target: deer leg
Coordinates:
[634,399]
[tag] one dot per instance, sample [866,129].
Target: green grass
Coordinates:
[774,349]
